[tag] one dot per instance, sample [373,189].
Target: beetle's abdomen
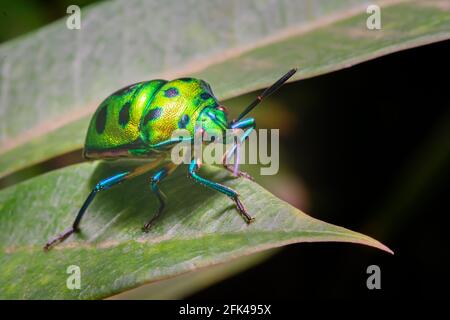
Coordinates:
[176,105]
[116,122]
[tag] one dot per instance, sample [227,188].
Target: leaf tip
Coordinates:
[376,244]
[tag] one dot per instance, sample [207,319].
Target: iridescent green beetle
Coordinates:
[138,121]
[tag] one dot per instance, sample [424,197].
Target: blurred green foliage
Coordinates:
[21,16]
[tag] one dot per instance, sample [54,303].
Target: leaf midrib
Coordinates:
[109,244]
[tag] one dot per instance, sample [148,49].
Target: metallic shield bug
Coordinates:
[138,121]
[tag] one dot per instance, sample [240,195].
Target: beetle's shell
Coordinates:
[134,120]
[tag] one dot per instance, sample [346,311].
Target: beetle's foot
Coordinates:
[149,224]
[59,238]
[239,173]
[240,206]
[245,175]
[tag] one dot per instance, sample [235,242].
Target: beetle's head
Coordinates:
[214,122]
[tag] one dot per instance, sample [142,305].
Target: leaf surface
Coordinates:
[200,228]
[52,80]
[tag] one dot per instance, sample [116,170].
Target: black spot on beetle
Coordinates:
[209,88]
[206,86]
[171,92]
[152,115]
[183,121]
[125,90]
[205,96]
[186,79]
[100,122]
[124,114]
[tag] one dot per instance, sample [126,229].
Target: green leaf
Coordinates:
[200,228]
[53,79]
[183,285]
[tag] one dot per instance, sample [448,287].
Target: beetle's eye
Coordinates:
[223,108]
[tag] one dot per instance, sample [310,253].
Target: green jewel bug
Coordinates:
[138,121]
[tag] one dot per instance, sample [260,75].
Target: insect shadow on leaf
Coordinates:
[126,206]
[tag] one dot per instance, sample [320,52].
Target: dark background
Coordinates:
[371,145]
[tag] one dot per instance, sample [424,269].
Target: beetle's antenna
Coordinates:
[266,93]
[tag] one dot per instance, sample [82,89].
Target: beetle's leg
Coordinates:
[104,184]
[156,178]
[249,124]
[193,168]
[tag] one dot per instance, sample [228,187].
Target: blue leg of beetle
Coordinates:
[105,184]
[249,125]
[193,168]
[102,185]
[156,178]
